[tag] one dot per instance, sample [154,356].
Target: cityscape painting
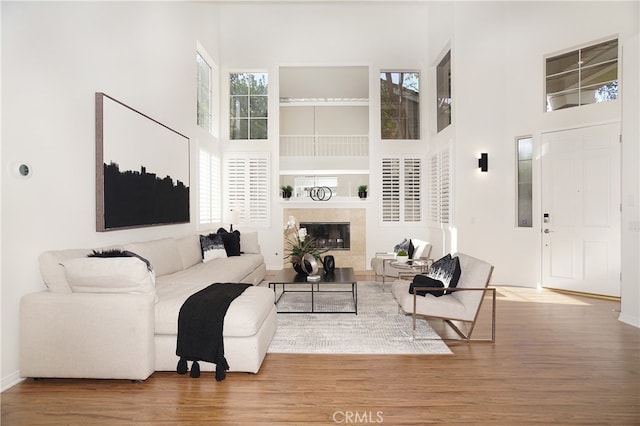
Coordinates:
[142,169]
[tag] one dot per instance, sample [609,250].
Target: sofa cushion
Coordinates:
[425,281]
[109,275]
[163,254]
[190,251]
[421,248]
[249,242]
[52,270]
[212,246]
[447,270]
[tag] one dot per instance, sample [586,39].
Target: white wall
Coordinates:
[55,56]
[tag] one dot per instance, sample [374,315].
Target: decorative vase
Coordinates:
[329,264]
[298,268]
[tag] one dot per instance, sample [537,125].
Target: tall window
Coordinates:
[204,79]
[584,76]
[248,108]
[401,189]
[209,183]
[525,181]
[443,88]
[400,105]
[247,186]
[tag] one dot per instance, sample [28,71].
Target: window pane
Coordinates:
[443,83]
[239,107]
[525,181]
[259,106]
[562,82]
[258,129]
[599,53]
[562,63]
[400,105]
[239,128]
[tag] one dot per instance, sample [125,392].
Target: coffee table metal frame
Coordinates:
[289,277]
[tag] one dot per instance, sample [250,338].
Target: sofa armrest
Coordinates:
[87,335]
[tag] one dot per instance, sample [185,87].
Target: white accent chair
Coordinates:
[381,263]
[462,303]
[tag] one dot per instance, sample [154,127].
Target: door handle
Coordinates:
[546,231]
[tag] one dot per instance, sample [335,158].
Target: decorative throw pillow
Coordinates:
[231,241]
[212,247]
[425,281]
[108,275]
[411,250]
[120,253]
[447,270]
[403,245]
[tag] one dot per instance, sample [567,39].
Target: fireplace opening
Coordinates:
[330,235]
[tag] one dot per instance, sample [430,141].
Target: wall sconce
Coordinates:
[483,162]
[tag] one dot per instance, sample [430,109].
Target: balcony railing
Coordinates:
[324,145]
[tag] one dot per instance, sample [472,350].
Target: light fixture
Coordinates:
[232,216]
[483,162]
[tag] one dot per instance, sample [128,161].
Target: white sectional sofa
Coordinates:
[120,331]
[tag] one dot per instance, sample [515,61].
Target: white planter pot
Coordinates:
[402,259]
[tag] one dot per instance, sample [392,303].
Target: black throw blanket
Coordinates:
[200,325]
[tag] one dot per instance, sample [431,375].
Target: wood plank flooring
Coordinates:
[558,359]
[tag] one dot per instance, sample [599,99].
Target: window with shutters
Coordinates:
[439,182]
[401,189]
[210,198]
[247,186]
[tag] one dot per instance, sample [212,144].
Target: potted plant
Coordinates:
[402,256]
[362,191]
[287,190]
[299,244]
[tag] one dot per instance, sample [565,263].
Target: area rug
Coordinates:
[377,329]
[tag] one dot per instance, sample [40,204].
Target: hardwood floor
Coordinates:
[558,359]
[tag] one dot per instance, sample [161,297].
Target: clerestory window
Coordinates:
[248,108]
[584,76]
[400,105]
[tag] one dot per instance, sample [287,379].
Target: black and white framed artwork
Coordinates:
[142,169]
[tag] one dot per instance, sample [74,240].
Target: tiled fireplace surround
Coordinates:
[356,256]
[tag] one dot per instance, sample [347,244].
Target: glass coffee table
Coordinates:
[292,282]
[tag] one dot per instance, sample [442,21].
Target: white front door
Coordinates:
[581,209]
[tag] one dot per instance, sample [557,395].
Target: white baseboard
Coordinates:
[628,319]
[10,381]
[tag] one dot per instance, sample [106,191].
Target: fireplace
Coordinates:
[330,235]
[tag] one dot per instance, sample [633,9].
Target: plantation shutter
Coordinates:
[390,190]
[258,211]
[412,190]
[440,188]
[401,189]
[209,188]
[246,186]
